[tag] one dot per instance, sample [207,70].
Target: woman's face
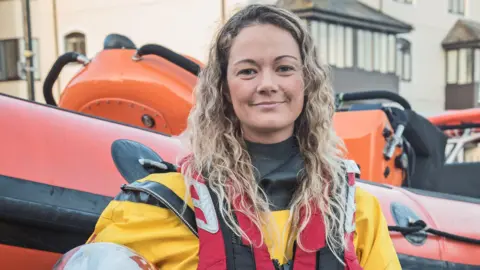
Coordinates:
[265,81]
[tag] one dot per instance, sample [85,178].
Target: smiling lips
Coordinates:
[268,104]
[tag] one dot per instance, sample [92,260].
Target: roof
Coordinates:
[465,33]
[349,12]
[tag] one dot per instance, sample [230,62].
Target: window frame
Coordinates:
[404,50]
[75,39]
[372,59]
[470,65]
[378,53]
[457,7]
[326,37]
[19,74]
[476,71]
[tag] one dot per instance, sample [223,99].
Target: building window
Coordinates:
[75,42]
[452,63]
[375,51]
[460,66]
[477,72]
[404,59]
[332,32]
[12,59]
[392,45]
[477,66]
[340,46]
[348,47]
[383,42]
[404,1]
[456,6]
[368,51]
[334,43]
[465,66]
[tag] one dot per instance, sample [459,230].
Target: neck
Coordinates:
[267,137]
[280,150]
[276,168]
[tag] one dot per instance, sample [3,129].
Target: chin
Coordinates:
[271,126]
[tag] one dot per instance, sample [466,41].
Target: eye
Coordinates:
[247,72]
[284,69]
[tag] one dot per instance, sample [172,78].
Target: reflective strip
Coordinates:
[351,166]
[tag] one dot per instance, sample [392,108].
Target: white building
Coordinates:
[394,45]
[426,84]
[60,26]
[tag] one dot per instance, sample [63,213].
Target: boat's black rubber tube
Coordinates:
[52,76]
[171,56]
[375,94]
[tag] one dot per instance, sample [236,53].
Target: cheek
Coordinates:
[296,91]
[240,94]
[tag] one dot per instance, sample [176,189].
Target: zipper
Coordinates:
[287,266]
[277,265]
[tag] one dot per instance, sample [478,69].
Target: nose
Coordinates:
[267,84]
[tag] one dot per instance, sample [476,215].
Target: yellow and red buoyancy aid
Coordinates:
[221,249]
[148,216]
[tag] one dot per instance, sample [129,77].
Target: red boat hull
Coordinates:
[60,169]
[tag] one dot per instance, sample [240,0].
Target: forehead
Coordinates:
[263,41]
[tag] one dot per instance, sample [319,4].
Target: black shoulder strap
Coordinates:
[161,196]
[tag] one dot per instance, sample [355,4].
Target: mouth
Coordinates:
[268,105]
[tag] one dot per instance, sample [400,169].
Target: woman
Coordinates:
[267,186]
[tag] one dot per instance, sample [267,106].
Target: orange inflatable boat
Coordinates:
[456,117]
[61,164]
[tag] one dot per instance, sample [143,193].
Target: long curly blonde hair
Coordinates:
[218,150]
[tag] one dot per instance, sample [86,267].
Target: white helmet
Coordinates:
[103,256]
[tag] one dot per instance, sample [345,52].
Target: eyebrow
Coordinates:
[251,61]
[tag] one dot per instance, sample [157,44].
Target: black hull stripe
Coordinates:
[46,217]
[50,218]
[417,263]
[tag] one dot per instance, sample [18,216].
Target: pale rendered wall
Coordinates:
[431,22]
[187,27]
[11,26]
[184,26]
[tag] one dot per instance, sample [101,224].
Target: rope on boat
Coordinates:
[421,226]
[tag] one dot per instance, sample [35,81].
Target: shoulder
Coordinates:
[171,183]
[164,188]
[361,193]
[372,238]
[145,214]
[368,207]
[164,191]
[365,199]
